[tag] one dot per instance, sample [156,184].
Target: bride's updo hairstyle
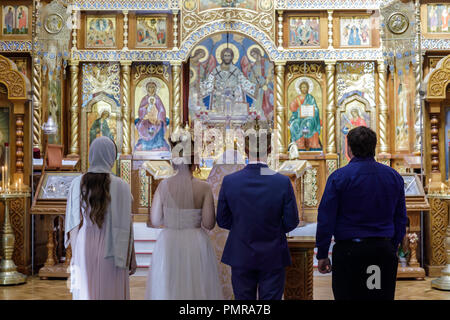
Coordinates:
[182,156]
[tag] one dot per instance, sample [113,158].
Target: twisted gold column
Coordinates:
[74,30]
[126,70]
[280,109]
[37,107]
[330,67]
[176,105]
[418,77]
[74,149]
[384,147]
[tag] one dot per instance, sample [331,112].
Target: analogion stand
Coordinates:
[8,270]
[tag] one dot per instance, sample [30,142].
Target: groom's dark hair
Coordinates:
[258,144]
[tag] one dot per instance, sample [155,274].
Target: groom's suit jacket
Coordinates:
[258,206]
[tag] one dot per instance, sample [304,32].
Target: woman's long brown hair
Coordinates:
[96,187]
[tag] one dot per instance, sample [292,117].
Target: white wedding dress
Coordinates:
[184,264]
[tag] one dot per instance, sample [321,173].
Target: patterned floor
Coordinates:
[36,289]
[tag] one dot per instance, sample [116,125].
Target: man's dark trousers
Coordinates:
[268,283]
[364,270]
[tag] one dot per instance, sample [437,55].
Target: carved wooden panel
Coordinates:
[436,227]
[299,276]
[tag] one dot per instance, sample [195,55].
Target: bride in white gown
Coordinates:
[184,265]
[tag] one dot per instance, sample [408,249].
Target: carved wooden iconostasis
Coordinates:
[138,71]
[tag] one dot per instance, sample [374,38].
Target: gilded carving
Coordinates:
[74,149]
[280,108]
[125,170]
[384,147]
[264,21]
[438,225]
[126,69]
[439,79]
[151,69]
[143,188]
[176,115]
[331,166]
[14,81]
[299,276]
[310,188]
[305,69]
[17,214]
[331,108]
[37,107]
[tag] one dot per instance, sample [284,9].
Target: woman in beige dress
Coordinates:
[98,226]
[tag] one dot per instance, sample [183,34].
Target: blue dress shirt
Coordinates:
[363,199]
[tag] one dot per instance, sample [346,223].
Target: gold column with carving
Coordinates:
[418,77]
[176,104]
[125,30]
[330,29]
[37,107]
[126,70]
[330,67]
[280,109]
[19,144]
[74,30]
[74,119]
[383,122]
[175,29]
[280,30]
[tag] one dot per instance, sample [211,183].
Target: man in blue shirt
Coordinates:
[363,207]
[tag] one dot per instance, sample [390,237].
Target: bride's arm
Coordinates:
[208,211]
[155,214]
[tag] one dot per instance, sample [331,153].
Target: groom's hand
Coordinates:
[324,265]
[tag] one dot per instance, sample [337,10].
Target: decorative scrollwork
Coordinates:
[305,68]
[14,81]
[263,20]
[439,79]
[438,223]
[151,69]
[310,188]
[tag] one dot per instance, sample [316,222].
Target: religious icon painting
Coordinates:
[151,119]
[355,31]
[304,32]
[101,32]
[353,113]
[151,32]
[101,122]
[101,117]
[15,20]
[438,16]
[305,128]
[231,77]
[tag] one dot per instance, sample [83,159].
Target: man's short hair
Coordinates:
[362,141]
[258,144]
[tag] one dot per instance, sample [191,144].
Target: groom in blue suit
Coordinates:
[258,206]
